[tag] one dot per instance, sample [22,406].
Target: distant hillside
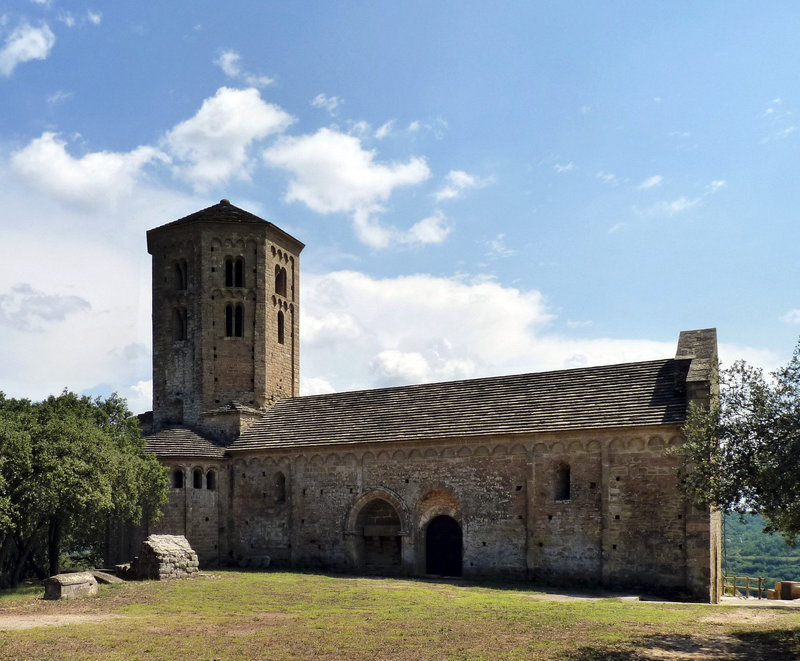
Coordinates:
[751,552]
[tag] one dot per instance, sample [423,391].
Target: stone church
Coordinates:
[558,477]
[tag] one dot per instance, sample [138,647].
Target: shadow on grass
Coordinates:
[587,591]
[741,646]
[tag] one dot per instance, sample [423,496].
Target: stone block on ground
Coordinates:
[164,556]
[70,586]
[105,577]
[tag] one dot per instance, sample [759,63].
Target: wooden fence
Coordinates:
[741,586]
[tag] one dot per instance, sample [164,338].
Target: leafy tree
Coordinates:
[743,452]
[70,463]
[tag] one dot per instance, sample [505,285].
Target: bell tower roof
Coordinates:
[222,212]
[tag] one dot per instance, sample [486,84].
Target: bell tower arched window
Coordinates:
[280,328]
[234,320]
[238,272]
[280,280]
[180,274]
[234,272]
[179,324]
[229,271]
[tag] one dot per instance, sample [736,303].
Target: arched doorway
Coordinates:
[379,525]
[443,541]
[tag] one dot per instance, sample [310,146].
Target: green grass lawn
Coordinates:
[274,615]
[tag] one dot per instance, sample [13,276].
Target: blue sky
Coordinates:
[484,188]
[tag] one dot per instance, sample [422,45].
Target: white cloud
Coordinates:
[608,178]
[676,206]
[94,17]
[96,180]
[384,130]
[67,19]
[58,97]
[569,167]
[229,61]
[651,182]
[360,331]
[315,386]
[715,185]
[139,396]
[497,248]
[333,173]
[392,367]
[458,181]
[329,103]
[791,317]
[433,229]
[215,142]
[25,43]
[414,126]
[616,227]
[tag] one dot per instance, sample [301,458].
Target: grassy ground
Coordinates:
[240,615]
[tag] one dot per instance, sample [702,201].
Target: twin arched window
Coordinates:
[234,320]
[234,272]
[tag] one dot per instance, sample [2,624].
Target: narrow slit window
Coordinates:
[280,328]
[197,478]
[211,480]
[177,478]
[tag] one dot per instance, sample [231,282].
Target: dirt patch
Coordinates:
[741,616]
[697,648]
[16,622]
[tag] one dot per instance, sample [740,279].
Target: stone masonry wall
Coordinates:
[201,367]
[196,511]
[623,523]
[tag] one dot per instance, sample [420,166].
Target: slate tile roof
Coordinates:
[182,442]
[630,394]
[225,212]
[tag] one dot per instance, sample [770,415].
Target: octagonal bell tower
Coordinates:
[225,319]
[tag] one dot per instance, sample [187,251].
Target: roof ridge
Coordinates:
[495,378]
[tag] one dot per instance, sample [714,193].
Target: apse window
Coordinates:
[562,482]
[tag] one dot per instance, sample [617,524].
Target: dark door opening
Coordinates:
[443,547]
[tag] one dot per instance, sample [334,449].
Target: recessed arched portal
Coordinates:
[379,524]
[443,546]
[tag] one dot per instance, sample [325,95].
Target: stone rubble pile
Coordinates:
[161,557]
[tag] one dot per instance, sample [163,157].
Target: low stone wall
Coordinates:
[162,557]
